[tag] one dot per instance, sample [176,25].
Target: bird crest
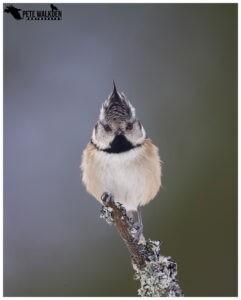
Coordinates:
[117,108]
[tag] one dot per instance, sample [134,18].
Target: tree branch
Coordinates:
[157,274]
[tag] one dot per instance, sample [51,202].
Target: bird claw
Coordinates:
[107,198]
[139,228]
[103,196]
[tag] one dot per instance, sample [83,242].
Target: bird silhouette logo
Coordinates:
[13,11]
[53,7]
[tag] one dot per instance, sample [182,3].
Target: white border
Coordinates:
[1,131]
[122,1]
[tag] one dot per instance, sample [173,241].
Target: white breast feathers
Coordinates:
[132,177]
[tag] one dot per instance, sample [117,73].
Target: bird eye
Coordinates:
[129,126]
[107,127]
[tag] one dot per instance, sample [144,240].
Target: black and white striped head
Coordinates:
[117,129]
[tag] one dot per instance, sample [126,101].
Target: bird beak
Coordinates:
[118,132]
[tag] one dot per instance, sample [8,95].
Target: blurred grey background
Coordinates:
[178,66]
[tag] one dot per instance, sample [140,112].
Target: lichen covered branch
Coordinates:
[157,274]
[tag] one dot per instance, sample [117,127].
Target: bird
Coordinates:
[13,11]
[53,7]
[120,160]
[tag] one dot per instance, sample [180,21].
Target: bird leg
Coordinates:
[108,199]
[138,225]
[129,214]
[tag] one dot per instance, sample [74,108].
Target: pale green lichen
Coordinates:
[158,277]
[107,214]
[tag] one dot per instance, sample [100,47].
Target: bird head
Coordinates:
[117,129]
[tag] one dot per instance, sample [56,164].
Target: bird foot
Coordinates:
[130,215]
[107,198]
[139,228]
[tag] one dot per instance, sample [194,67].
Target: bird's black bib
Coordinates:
[119,144]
